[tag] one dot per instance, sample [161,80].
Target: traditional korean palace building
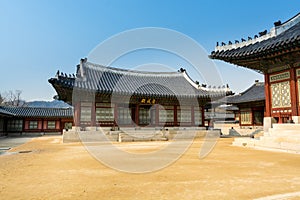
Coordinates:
[276,54]
[33,121]
[112,97]
[251,104]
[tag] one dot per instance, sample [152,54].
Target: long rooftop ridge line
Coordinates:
[264,35]
[80,74]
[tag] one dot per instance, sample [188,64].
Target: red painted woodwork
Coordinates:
[293,86]
[175,116]
[193,115]
[268,97]
[93,114]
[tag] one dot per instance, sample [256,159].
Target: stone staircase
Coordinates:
[126,135]
[134,134]
[282,137]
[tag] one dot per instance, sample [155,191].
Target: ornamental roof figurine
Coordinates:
[255,53]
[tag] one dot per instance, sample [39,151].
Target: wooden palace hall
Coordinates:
[112,97]
[276,54]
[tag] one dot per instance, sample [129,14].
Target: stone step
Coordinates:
[269,143]
[276,133]
[286,127]
[243,142]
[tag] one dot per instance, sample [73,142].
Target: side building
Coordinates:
[34,121]
[251,104]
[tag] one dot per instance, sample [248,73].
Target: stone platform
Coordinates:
[76,134]
[282,137]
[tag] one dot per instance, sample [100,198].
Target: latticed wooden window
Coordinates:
[51,125]
[124,115]
[184,114]
[281,95]
[166,114]
[15,125]
[144,115]
[198,116]
[86,112]
[105,114]
[33,125]
[246,117]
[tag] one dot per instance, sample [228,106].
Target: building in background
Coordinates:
[251,106]
[34,121]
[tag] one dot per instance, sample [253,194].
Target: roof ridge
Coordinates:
[136,72]
[275,31]
[248,89]
[28,107]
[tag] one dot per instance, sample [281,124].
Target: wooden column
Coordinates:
[137,114]
[116,115]
[193,115]
[175,116]
[252,117]
[293,87]
[43,125]
[268,97]
[93,114]
[202,116]
[156,115]
[240,118]
[77,114]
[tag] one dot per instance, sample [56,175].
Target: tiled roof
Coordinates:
[107,80]
[5,113]
[255,93]
[38,112]
[286,36]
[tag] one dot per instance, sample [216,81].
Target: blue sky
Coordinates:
[39,37]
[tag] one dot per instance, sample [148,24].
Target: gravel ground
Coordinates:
[49,169]
[10,142]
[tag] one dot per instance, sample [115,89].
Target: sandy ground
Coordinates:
[49,169]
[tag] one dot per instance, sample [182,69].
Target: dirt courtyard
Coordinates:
[46,168]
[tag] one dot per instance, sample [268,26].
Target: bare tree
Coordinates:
[13,98]
[1,99]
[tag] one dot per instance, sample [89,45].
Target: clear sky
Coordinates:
[38,37]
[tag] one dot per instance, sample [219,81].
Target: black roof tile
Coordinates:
[4,112]
[255,93]
[38,112]
[110,80]
[287,39]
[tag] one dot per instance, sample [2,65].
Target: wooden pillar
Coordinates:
[116,115]
[137,114]
[156,115]
[77,114]
[61,127]
[202,116]
[280,119]
[175,116]
[293,88]
[268,97]
[193,115]
[252,116]
[93,114]
[42,125]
